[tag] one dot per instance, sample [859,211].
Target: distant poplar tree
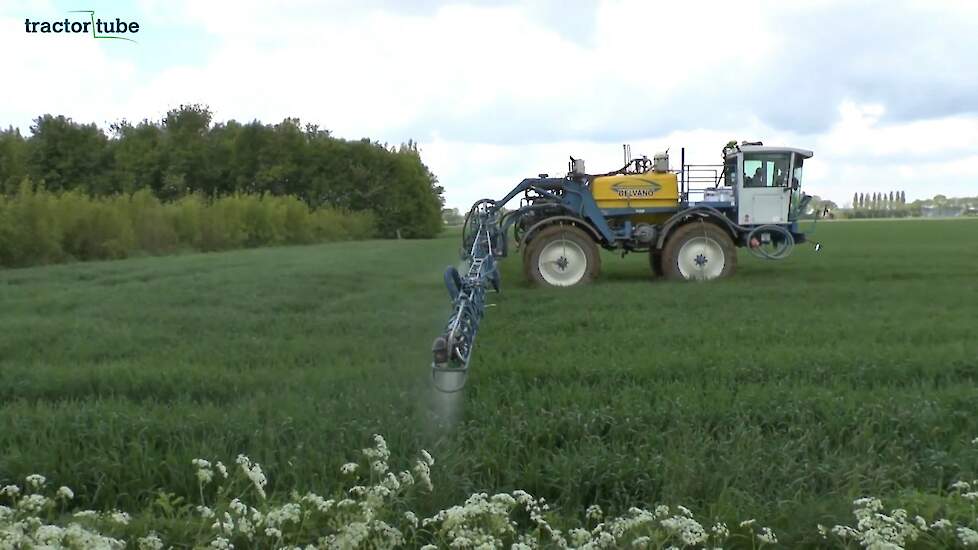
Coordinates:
[855,200]
[862,200]
[892,203]
[903,197]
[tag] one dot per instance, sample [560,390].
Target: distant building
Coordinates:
[941,211]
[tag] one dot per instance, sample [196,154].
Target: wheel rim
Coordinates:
[701,258]
[562,262]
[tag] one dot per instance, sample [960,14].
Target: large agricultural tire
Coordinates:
[561,255]
[699,251]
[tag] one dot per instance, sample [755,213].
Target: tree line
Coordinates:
[879,201]
[895,205]
[188,153]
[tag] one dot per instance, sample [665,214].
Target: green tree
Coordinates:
[186,153]
[13,160]
[452,216]
[138,158]
[185,148]
[65,155]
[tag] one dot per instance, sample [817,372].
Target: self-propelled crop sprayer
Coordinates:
[689,221]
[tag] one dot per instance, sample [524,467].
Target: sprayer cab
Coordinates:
[766,182]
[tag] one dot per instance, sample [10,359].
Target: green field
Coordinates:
[780,394]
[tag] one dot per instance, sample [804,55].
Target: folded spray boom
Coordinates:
[480,244]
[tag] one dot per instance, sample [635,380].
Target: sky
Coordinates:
[884,93]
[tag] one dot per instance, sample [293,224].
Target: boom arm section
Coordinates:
[481,241]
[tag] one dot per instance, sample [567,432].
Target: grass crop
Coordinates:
[784,393]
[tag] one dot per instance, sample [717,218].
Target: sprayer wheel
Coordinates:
[699,251]
[561,255]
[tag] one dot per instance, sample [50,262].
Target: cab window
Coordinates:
[766,169]
[796,175]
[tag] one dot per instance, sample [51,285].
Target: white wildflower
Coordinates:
[823,531]
[940,524]
[973,495]
[968,537]
[86,514]
[36,481]
[121,518]
[238,507]
[720,530]
[151,541]
[747,523]
[594,512]
[205,512]
[411,518]
[49,535]
[273,533]
[65,493]
[767,536]
[289,512]
[431,461]
[10,490]
[391,482]
[423,472]
[254,473]
[246,528]
[406,478]
[221,543]
[580,537]
[869,503]
[226,526]
[33,503]
[349,467]
[844,531]
[960,486]
[204,472]
[222,469]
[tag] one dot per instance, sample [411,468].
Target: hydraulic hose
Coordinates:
[780,252]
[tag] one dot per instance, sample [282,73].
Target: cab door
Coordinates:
[765,195]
